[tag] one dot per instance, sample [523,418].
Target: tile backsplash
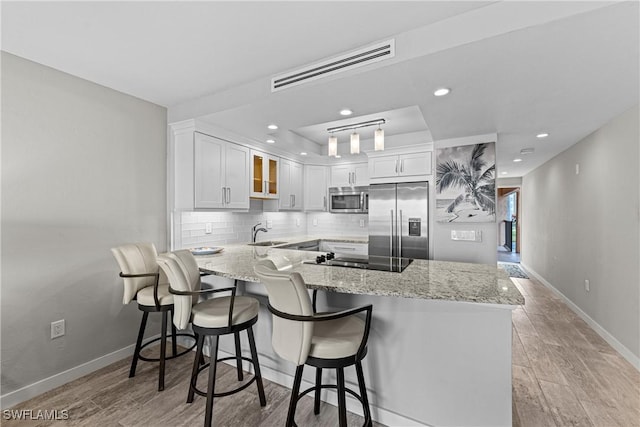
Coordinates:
[235,227]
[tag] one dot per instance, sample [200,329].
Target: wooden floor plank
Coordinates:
[565,406]
[530,403]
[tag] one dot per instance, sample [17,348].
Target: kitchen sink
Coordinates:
[266,243]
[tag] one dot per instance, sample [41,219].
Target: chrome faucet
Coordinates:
[256,230]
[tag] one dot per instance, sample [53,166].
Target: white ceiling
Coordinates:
[515,68]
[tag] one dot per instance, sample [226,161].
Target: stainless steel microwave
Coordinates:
[349,199]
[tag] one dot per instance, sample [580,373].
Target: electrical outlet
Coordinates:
[315,222]
[577,168]
[297,222]
[269,223]
[362,223]
[587,285]
[208,229]
[57,329]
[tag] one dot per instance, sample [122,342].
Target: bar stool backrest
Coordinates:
[182,270]
[287,292]
[137,258]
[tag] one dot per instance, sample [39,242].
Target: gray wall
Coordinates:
[83,170]
[585,226]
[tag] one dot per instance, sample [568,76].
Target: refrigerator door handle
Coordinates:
[400,235]
[391,236]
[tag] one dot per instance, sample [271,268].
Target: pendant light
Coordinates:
[333,145]
[355,143]
[378,139]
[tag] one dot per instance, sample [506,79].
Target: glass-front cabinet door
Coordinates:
[264,175]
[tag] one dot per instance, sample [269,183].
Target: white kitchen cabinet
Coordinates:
[221,171]
[315,188]
[342,248]
[414,164]
[350,175]
[264,175]
[290,185]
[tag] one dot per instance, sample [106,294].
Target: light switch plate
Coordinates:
[466,235]
[208,228]
[269,223]
[315,222]
[297,222]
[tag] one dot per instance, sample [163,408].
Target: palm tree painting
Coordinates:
[465,183]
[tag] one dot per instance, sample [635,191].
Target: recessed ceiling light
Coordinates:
[303,154]
[442,91]
[527,151]
[542,135]
[517,160]
[273,127]
[271,141]
[504,173]
[346,112]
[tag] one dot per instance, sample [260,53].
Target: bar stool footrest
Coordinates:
[224,393]
[367,413]
[157,359]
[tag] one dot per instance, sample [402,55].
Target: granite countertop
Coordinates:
[425,279]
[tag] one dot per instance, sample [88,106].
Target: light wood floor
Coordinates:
[564,374]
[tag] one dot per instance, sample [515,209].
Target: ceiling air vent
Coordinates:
[348,61]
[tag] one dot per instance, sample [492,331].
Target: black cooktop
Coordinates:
[392,264]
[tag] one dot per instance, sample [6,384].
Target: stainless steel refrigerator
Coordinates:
[398,221]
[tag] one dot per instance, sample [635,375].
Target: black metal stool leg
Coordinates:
[236,336]
[363,394]
[256,367]
[213,357]
[294,396]
[196,365]
[136,353]
[163,350]
[174,333]
[316,403]
[342,401]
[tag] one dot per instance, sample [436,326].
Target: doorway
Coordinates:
[509,224]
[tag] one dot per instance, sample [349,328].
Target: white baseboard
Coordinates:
[378,414]
[613,342]
[32,390]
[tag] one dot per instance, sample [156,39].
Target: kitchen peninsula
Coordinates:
[440,344]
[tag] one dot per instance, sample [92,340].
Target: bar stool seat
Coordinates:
[145,295]
[337,338]
[214,313]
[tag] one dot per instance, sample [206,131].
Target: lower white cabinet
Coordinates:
[341,248]
[315,188]
[290,185]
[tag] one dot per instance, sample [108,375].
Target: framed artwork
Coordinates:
[466,183]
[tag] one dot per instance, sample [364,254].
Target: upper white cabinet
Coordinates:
[290,185]
[264,175]
[220,174]
[399,167]
[349,175]
[315,188]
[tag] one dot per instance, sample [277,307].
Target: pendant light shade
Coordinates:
[378,139]
[333,146]
[355,143]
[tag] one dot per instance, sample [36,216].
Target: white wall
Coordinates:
[585,226]
[83,170]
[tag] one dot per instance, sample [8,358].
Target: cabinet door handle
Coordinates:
[324,203]
[224,195]
[401,166]
[396,165]
[228,195]
[266,188]
[344,248]
[294,200]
